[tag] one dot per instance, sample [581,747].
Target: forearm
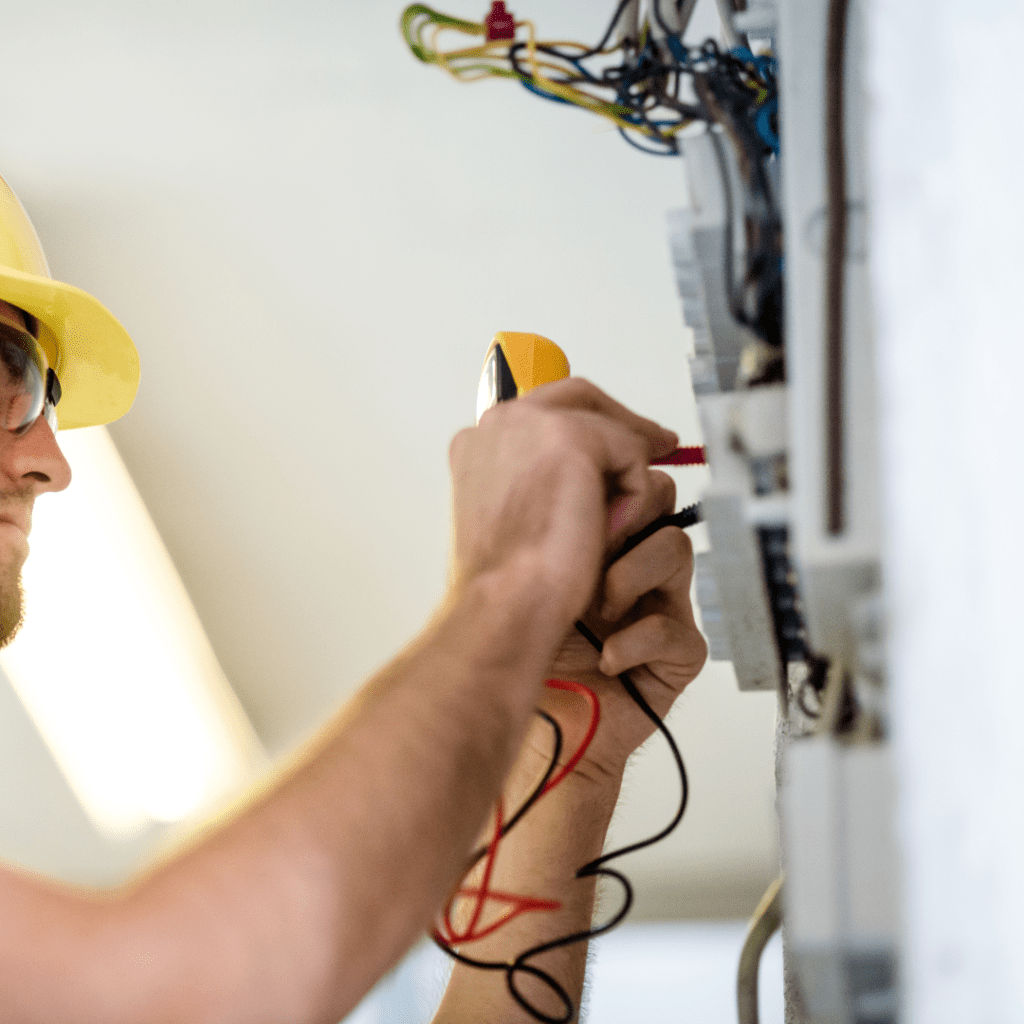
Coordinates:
[294,908]
[538,858]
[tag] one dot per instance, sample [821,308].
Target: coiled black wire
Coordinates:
[596,868]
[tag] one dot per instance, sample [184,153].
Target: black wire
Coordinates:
[665,27]
[646,80]
[673,151]
[496,965]
[689,516]
[538,790]
[725,94]
[595,868]
[604,39]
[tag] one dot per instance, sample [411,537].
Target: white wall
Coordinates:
[312,238]
[947,225]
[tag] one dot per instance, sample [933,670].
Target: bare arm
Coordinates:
[649,626]
[293,909]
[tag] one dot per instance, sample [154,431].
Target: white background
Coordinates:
[312,238]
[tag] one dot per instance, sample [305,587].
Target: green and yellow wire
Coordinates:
[491,60]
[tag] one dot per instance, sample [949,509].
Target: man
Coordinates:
[288,911]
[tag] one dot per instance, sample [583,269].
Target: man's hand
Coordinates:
[574,483]
[641,606]
[642,611]
[546,485]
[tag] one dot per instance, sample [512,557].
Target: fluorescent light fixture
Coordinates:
[112,662]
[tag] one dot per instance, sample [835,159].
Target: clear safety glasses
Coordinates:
[28,387]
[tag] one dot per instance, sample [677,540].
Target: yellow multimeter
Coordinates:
[516,363]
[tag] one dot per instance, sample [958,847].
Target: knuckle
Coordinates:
[663,631]
[697,647]
[559,434]
[665,486]
[680,547]
[458,443]
[581,392]
[578,386]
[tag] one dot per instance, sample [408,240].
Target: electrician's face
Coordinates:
[30,463]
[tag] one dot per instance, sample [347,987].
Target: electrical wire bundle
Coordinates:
[748,123]
[636,76]
[645,80]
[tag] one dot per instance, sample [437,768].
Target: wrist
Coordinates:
[522,613]
[503,628]
[593,783]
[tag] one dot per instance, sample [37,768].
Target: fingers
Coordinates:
[633,514]
[673,651]
[622,455]
[554,481]
[578,393]
[654,581]
[661,500]
[663,563]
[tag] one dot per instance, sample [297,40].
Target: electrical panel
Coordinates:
[790,590]
[771,263]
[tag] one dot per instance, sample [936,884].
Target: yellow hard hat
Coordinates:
[89,351]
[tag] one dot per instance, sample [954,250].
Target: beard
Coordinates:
[12,602]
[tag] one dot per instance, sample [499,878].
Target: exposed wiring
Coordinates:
[763,925]
[637,82]
[650,85]
[751,210]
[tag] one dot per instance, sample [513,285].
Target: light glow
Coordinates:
[112,662]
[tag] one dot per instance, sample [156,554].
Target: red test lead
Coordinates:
[690,456]
[482,894]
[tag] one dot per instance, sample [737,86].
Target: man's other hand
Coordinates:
[547,485]
[642,611]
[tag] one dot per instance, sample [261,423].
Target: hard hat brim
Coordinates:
[91,353]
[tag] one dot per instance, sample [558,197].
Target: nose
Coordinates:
[33,461]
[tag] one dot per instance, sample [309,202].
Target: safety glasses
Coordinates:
[28,387]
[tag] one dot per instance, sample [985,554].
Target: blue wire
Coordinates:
[529,86]
[677,49]
[763,123]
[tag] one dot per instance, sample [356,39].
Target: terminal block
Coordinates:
[745,587]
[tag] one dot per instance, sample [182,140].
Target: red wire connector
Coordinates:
[500,24]
[693,456]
